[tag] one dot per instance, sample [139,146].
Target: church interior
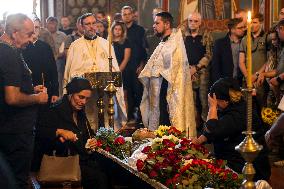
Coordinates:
[138,94]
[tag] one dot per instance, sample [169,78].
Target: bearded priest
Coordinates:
[167,96]
[90,54]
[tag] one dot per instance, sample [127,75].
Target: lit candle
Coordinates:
[249,60]
[109,36]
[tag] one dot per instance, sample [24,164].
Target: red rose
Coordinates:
[119,140]
[168,143]
[235,176]
[108,149]
[147,149]
[153,174]
[99,143]
[139,165]
[169,182]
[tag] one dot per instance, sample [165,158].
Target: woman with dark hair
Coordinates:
[224,126]
[122,51]
[65,127]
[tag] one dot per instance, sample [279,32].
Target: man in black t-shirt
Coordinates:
[18,98]
[137,38]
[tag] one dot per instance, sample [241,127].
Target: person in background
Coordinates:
[281,14]
[224,126]
[18,99]
[101,16]
[198,45]
[277,82]
[151,38]
[65,25]
[117,17]
[45,35]
[78,32]
[101,29]
[225,60]
[59,39]
[65,126]
[122,51]
[241,13]
[136,37]
[274,138]
[259,57]
[39,58]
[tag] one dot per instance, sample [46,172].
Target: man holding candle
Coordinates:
[90,54]
[18,98]
[258,58]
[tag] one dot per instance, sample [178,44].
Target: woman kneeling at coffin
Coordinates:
[225,123]
[65,128]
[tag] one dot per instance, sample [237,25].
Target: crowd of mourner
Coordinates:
[43,96]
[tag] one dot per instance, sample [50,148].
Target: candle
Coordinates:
[249,60]
[42,78]
[109,36]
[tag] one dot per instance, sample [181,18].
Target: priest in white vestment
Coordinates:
[168,62]
[90,53]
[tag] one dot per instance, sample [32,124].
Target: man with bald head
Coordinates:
[18,98]
[198,44]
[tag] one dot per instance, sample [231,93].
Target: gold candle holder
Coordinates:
[248,148]
[110,91]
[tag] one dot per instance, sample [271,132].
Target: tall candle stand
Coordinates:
[249,148]
[110,91]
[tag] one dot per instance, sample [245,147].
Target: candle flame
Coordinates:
[249,16]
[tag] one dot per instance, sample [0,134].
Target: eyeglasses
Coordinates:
[195,21]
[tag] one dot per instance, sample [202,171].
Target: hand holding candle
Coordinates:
[249,59]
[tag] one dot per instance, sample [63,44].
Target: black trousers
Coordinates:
[164,114]
[17,150]
[134,91]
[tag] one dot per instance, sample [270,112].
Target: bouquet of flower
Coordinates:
[166,155]
[162,162]
[201,173]
[169,130]
[269,115]
[111,142]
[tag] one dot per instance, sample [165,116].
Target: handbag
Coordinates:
[59,170]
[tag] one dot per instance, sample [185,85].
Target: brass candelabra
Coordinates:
[248,148]
[110,91]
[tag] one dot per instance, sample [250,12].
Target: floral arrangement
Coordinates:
[167,155]
[169,130]
[269,115]
[113,143]
[200,173]
[179,163]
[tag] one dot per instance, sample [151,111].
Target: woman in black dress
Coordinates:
[122,52]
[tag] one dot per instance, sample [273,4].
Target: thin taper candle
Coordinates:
[109,36]
[249,59]
[42,79]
